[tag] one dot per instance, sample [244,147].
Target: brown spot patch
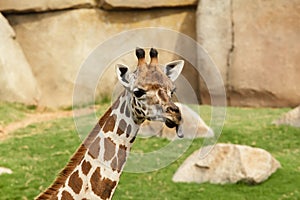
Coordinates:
[121,127]
[104,117]
[128,130]
[109,149]
[64,174]
[127,111]
[123,107]
[75,182]
[93,134]
[121,157]
[110,124]
[116,104]
[114,164]
[95,179]
[86,167]
[94,149]
[102,187]
[66,196]
[97,128]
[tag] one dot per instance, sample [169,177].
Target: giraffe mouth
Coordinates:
[171,124]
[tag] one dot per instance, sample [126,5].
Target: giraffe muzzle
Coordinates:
[171,124]
[174,119]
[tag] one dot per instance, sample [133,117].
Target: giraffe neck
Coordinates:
[95,169]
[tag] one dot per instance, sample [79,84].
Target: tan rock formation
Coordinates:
[43,5]
[228,163]
[56,44]
[265,61]
[291,118]
[214,33]
[193,126]
[112,4]
[16,79]
[255,46]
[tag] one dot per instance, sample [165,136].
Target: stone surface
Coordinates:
[214,33]
[291,118]
[16,79]
[193,126]
[255,46]
[265,62]
[4,170]
[111,4]
[228,163]
[62,41]
[43,5]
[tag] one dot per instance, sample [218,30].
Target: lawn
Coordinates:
[38,152]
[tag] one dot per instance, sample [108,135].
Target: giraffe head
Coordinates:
[150,88]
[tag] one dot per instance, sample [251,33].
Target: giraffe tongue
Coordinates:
[179,131]
[172,124]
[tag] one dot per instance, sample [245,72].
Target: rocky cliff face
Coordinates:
[16,78]
[253,43]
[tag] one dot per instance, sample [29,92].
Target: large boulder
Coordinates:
[291,118]
[113,4]
[193,126]
[228,163]
[43,5]
[56,44]
[16,78]
[255,46]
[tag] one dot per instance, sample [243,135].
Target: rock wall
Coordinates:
[134,4]
[57,43]
[253,43]
[255,46]
[32,6]
[16,78]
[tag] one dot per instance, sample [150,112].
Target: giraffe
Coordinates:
[94,170]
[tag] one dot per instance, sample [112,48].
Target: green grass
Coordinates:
[10,112]
[38,152]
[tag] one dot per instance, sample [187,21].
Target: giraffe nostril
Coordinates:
[174,109]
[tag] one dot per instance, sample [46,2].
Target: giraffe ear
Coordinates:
[173,69]
[122,74]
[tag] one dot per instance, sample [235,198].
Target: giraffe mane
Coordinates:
[63,175]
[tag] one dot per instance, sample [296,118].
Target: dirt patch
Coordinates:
[41,117]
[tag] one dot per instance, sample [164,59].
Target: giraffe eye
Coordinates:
[139,92]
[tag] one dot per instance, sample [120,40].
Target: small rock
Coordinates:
[193,126]
[4,170]
[291,118]
[228,163]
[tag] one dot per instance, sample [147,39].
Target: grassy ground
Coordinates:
[38,152]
